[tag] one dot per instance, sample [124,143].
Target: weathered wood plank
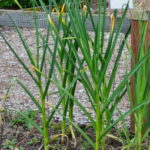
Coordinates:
[135,41]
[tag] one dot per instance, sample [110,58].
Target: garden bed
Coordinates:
[77,80]
[17,134]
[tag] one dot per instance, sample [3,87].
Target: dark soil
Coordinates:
[17,134]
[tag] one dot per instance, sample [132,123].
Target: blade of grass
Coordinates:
[145,102]
[30,95]
[30,121]
[19,59]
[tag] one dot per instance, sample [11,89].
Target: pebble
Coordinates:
[9,67]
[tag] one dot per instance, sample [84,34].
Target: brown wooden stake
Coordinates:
[135,40]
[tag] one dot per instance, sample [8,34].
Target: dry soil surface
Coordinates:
[9,68]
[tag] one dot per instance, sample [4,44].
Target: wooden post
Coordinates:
[135,40]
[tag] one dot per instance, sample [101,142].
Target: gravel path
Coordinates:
[9,68]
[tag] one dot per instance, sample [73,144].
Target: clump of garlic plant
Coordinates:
[97,86]
[71,38]
[139,91]
[37,60]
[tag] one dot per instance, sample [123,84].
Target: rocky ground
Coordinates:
[9,68]
[21,135]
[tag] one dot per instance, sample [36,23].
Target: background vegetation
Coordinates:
[24,3]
